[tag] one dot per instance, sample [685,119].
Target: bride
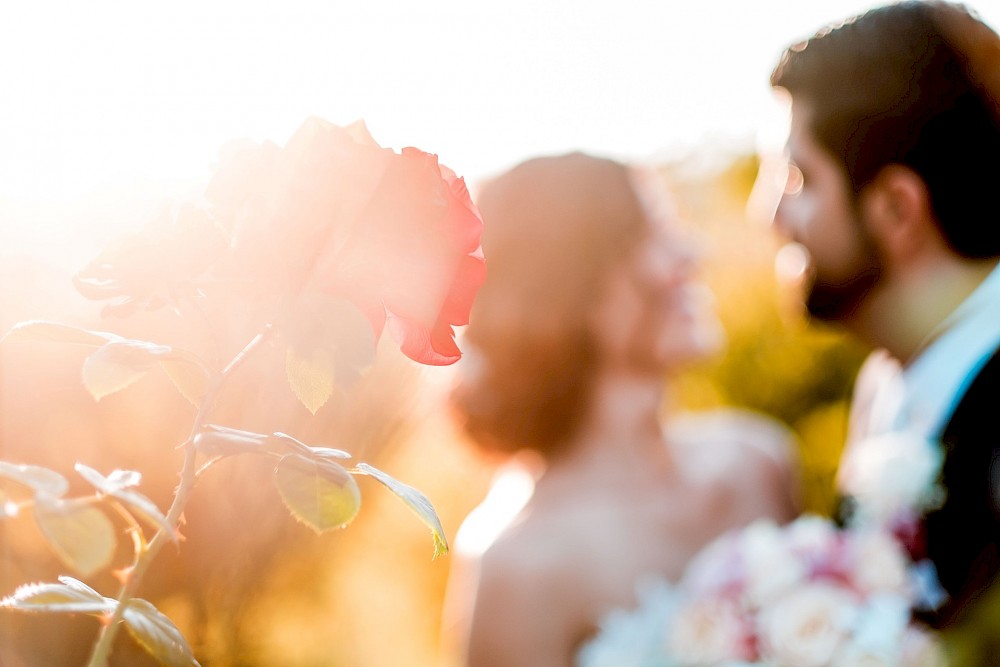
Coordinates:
[591,301]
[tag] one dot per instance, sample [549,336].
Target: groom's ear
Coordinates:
[897,208]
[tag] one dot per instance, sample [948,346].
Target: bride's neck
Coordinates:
[622,428]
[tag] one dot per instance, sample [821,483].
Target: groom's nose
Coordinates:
[781,220]
[768,189]
[788,210]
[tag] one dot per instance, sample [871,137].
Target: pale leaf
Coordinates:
[310,374]
[294,444]
[118,364]
[119,485]
[39,479]
[311,452]
[329,453]
[69,596]
[330,343]
[415,500]
[320,494]
[216,440]
[124,479]
[190,379]
[80,534]
[53,332]
[157,634]
[118,479]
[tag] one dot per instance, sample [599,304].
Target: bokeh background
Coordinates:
[111,106]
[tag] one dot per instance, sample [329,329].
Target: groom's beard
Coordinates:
[833,301]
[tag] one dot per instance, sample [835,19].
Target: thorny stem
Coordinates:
[134,528]
[102,648]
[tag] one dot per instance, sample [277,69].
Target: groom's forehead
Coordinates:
[801,142]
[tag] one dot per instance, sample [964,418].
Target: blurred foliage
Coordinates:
[250,587]
[776,361]
[974,640]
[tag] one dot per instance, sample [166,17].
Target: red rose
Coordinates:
[334,213]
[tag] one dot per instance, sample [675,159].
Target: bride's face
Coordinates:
[657,314]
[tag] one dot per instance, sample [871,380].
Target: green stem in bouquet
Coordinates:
[144,557]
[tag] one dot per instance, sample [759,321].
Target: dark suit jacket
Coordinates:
[962,538]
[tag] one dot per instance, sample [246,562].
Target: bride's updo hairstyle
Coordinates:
[553,227]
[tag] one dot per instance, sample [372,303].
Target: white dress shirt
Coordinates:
[922,397]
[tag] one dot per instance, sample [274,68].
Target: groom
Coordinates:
[895,152]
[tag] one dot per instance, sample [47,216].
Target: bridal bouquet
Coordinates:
[804,595]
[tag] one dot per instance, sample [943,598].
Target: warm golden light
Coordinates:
[111,108]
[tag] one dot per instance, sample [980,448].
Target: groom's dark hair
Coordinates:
[917,84]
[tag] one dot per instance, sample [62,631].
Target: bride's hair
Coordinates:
[554,226]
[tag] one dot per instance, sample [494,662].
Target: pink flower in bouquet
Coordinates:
[333,213]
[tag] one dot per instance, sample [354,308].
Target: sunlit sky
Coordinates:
[103,94]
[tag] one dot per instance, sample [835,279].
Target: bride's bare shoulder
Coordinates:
[733,432]
[749,452]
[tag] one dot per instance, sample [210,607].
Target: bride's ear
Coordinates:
[897,208]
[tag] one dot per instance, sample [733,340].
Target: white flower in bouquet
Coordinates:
[892,475]
[709,631]
[634,637]
[878,563]
[756,564]
[811,536]
[878,632]
[772,568]
[803,595]
[808,626]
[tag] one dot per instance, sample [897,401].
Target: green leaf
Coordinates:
[415,500]
[70,596]
[320,494]
[157,634]
[53,332]
[310,373]
[80,534]
[119,485]
[151,628]
[40,480]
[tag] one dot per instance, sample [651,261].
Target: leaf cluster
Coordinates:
[316,484]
